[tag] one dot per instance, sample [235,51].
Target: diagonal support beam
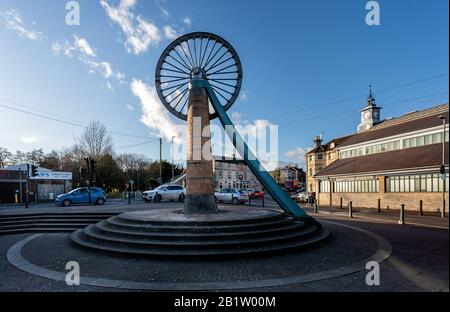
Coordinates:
[280,196]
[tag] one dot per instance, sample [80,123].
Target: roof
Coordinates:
[410,158]
[414,121]
[319,148]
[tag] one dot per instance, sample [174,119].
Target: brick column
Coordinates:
[199,179]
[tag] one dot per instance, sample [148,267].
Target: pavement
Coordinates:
[419,259]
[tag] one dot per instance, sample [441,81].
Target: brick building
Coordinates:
[396,161]
[230,172]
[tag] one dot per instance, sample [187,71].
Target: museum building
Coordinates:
[386,162]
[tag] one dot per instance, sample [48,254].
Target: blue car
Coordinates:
[81,196]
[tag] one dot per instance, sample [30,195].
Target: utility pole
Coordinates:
[160,161]
[173,169]
[27,189]
[442,171]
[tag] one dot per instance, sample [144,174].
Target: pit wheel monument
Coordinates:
[198,78]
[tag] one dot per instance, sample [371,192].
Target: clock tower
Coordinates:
[370,115]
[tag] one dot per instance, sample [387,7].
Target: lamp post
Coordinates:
[173,169]
[442,171]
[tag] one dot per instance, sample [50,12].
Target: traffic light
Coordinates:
[34,171]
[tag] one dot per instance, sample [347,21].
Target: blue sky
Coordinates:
[307,65]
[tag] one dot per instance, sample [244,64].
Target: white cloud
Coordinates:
[155,115]
[244,96]
[298,154]
[85,52]
[28,139]
[170,33]
[140,33]
[14,22]
[187,21]
[84,47]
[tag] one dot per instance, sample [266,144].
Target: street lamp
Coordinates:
[442,171]
[173,169]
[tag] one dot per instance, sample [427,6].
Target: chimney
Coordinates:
[318,140]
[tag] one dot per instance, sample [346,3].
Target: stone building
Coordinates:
[43,187]
[393,161]
[292,177]
[230,172]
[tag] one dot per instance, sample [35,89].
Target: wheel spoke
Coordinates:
[210,52]
[176,88]
[204,54]
[218,60]
[223,73]
[213,56]
[220,94]
[223,83]
[190,53]
[230,93]
[218,71]
[174,71]
[175,80]
[182,48]
[169,76]
[183,65]
[195,52]
[177,95]
[181,69]
[179,100]
[182,59]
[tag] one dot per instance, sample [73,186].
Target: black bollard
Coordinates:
[421,207]
[350,209]
[340,206]
[379,205]
[129,198]
[316,208]
[402,215]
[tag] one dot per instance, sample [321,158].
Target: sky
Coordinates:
[307,67]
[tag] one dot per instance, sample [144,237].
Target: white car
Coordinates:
[169,192]
[232,195]
[302,197]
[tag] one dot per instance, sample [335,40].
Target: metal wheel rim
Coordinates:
[209,52]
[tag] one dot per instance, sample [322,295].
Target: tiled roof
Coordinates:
[410,158]
[407,123]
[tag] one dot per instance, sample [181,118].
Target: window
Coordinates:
[319,156]
[324,186]
[357,186]
[416,183]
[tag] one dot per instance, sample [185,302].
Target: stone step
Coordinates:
[199,243]
[320,237]
[50,220]
[107,229]
[181,227]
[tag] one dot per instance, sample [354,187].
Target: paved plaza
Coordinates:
[413,257]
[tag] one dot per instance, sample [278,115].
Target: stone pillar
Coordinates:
[199,179]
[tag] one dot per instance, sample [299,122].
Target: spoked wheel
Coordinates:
[198,55]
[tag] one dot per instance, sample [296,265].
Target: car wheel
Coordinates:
[100,201]
[181,198]
[67,203]
[235,201]
[158,198]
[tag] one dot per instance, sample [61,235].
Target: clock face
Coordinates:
[375,114]
[366,115]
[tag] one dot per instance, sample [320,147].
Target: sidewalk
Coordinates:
[429,219]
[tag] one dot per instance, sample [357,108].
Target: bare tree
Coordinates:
[5,157]
[95,141]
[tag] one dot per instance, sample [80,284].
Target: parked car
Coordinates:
[167,192]
[302,197]
[81,196]
[233,196]
[255,194]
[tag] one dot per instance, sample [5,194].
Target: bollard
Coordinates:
[316,208]
[421,207]
[402,215]
[379,205]
[340,206]
[350,209]
[263,202]
[129,198]
[249,200]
